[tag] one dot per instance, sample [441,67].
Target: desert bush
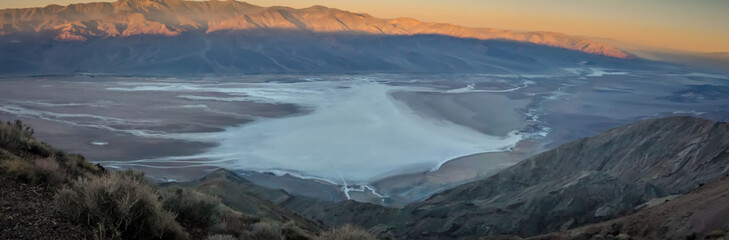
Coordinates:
[18,169]
[229,221]
[347,232]
[221,237]
[716,234]
[18,137]
[121,205]
[77,166]
[36,162]
[291,231]
[41,171]
[191,206]
[4,155]
[264,231]
[47,171]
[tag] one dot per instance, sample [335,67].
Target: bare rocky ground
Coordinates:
[27,212]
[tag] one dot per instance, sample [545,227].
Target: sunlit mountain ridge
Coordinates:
[125,18]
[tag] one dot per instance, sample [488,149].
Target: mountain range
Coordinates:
[177,37]
[124,18]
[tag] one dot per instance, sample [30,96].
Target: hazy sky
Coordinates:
[691,25]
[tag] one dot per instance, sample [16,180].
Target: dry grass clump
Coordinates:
[40,171]
[292,232]
[18,138]
[273,230]
[121,205]
[24,158]
[191,206]
[47,170]
[18,169]
[241,226]
[221,237]
[230,222]
[347,232]
[265,231]
[77,165]
[717,234]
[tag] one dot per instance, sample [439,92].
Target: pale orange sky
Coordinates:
[699,25]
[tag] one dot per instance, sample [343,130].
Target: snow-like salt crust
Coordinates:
[356,129]
[359,132]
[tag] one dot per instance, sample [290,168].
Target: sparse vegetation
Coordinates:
[191,206]
[231,222]
[77,165]
[17,138]
[121,205]
[124,205]
[18,169]
[347,232]
[47,170]
[24,158]
[222,237]
[265,231]
[717,234]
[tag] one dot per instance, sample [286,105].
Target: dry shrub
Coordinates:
[291,231]
[76,165]
[264,231]
[191,206]
[120,205]
[41,171]
[47,171]
[18,137]
[347,232]
[5,155]
[36,162]
[18,169]
[221,237]
[229,221]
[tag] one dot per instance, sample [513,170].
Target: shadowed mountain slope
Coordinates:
[286,51]
[585,181]
[701,214]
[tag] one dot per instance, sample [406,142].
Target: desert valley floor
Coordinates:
[338,130]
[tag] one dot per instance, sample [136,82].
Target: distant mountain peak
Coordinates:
[147,1]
